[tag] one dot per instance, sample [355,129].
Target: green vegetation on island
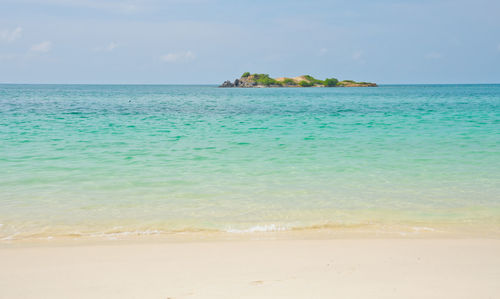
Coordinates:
[305,83]
[330,82]
[263,80]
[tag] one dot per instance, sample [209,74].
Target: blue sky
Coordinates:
[209,41]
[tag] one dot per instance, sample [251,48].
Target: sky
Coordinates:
[209,41]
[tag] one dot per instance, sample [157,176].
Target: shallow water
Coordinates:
[81,160]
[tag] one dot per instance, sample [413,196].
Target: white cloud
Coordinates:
[108,48]
[357,55]
[434,55]
[42,47]
[183,56]
[10,35]
[111,46]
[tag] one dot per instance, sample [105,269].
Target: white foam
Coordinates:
[10,237]
[259,228]
[127,233]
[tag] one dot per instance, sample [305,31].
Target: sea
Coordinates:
[102,161]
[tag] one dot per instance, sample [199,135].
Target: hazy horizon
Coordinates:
[217,84]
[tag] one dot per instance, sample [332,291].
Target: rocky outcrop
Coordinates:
[356,84]
[242,82]
[227,84]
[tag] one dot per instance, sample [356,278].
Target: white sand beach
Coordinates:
[298,268]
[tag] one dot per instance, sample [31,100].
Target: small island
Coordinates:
[248,80]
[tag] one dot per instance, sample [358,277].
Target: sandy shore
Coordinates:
[338,268]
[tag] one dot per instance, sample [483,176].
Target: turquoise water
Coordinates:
[81,160]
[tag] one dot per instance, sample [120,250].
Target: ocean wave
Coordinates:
[259,228]
[357,229]
[113,235]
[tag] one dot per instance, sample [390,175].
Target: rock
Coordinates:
[227,84]
[246,82]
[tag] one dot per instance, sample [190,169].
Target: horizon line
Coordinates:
[210,84]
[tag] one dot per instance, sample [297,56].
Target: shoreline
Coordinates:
[421,232]
[311,268]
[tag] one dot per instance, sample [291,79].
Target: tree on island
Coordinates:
[330,82]
[305,83]
[264,79]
